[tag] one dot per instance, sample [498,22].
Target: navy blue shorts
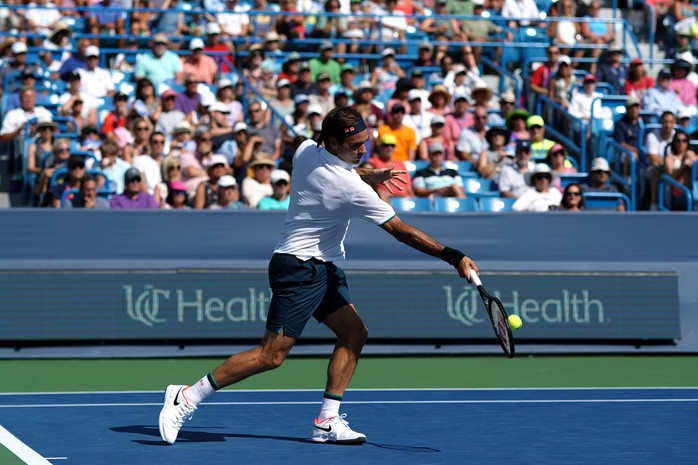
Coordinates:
[301,289]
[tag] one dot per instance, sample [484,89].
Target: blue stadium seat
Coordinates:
[605,201]
[453,205]
[569,178]
[411,204]
[479,187]
[496,204]
[416,165]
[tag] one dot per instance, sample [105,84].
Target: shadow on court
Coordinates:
[207,436]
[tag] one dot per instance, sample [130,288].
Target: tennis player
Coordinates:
[305,282]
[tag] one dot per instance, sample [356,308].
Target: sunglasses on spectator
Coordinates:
[78,167]
[574,193]
[205,139]
[255,111]
[174,167]
[158,44]
[559,152]
[263,167]
[682,140]
[64,150]
[157,141]
[281,183]
[142,128]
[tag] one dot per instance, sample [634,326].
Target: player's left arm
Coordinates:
[423,242]
[389,177]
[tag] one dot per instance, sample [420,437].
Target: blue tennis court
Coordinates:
[472,426]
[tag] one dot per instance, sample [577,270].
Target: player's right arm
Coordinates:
[423,242]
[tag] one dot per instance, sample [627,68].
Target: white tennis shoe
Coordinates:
[174,413]
[336,430]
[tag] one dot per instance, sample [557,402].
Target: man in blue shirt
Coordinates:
[103,17]
[660,98]
[161,65]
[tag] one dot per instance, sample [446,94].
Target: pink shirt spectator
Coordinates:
[204,70]
[686,91]
[455,125]
[188,159]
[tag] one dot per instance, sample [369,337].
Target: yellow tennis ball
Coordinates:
[515,322]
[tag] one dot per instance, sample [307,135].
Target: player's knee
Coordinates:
[273,360]
[361,334]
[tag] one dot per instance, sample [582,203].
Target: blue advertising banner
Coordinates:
[232,304]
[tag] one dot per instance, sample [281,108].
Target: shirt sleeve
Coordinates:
[366,205]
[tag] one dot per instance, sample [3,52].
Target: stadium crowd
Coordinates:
[161,104]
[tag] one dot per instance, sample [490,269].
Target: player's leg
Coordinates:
[351,337]
[181,401]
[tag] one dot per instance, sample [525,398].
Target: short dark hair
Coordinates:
[336,120]
[155,133]
[87,178]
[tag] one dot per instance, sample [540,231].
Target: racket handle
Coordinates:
[475,278]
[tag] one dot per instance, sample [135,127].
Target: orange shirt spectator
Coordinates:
[203,67]
[406,141]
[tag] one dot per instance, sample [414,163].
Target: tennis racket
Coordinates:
[498,316]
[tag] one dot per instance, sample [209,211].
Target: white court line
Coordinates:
[369,402]
[231,391]
[20,449]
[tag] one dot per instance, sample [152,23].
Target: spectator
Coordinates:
[113,166]
[382,157]
[41,145]
[442,27]
[181,139]
[105,18]
[194,163]
[496,156]
[437,136]
[436,179]
[87,197]
[627,129]
[684,88]
[160,65]
[145,92]
[140,129]
[425,56]
[290,67]
[516,123]
[580,105]
[656,144]
[16,65]
[481,30]
[271,136]
[357,26]
[221,52]
[511,177]
[114,125]
[315,121]
[81,107]
[207,191]
[392,26]
[149,161]
[523,12]
[247,147]
[456,82]
[257,186]
[60,153]
[304,84]
[170,22]
[330,27]
[280,198]
[346,81]
[177,197]
[233,20]
[291,25]
[57,47]
[562,84]
[197,66]
[76,61]
[679,160]
[481,94]
[322,96]
[439,99]
[406,147]
[28,78]
[471,142]
[71,180]
[612,71]
[572,199]
[168,117]
[264,19]
[363,103]
[459,119]
[140,20]
[418,119]
[229,198]
[399,95]
[418,83]
[539,144]
[14,120]
[41,16]
[541,77]
[226,95]
[507,102]
[638,83]
[95,82]
[189,100]
[598,180]
[541,197]
[662,98]
[220,129]
[596,31]
[562,30]
[385,76]
[558,162]
[682,45]
[133,197]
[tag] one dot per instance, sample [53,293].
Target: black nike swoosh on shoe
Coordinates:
[327,430]
[177,397]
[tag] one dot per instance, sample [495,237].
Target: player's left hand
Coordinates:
[389,177]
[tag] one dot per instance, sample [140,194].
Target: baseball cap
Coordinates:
[19,47]
[217,159]
[92,51]
[507,97]
[664,74]
[219,107]
[301,98]
[178,186]
[29,71]
[388,139]
[314,109]
[426,45]
[169,93]
[397,108]
[523,144]
[76,161]
[600,164]
[684,112]
[279,175]
[589,78]
[632,101]
[240,126]
[322,76]
[438,119]
[636,61]
[388,52]
[223,83]
[272,36]
[564,59]
[325,45]
[226,181]
[161,38]
[413,94]
[196,44]
[182,126]
[436,147]
[534,120]
[282,82]
[213,28]
[556,148]
[132,174]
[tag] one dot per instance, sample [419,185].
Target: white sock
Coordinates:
[196,393]
[329,409]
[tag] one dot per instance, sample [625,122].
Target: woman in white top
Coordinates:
[541,197]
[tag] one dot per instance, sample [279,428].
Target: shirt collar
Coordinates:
[334,159]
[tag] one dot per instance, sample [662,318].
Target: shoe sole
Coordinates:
[346,442]
[160,428]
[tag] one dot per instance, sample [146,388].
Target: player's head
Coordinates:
[344,134]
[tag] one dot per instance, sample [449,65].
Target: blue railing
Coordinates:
[576,127]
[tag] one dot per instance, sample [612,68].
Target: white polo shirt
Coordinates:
[326,194]
[96,83]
